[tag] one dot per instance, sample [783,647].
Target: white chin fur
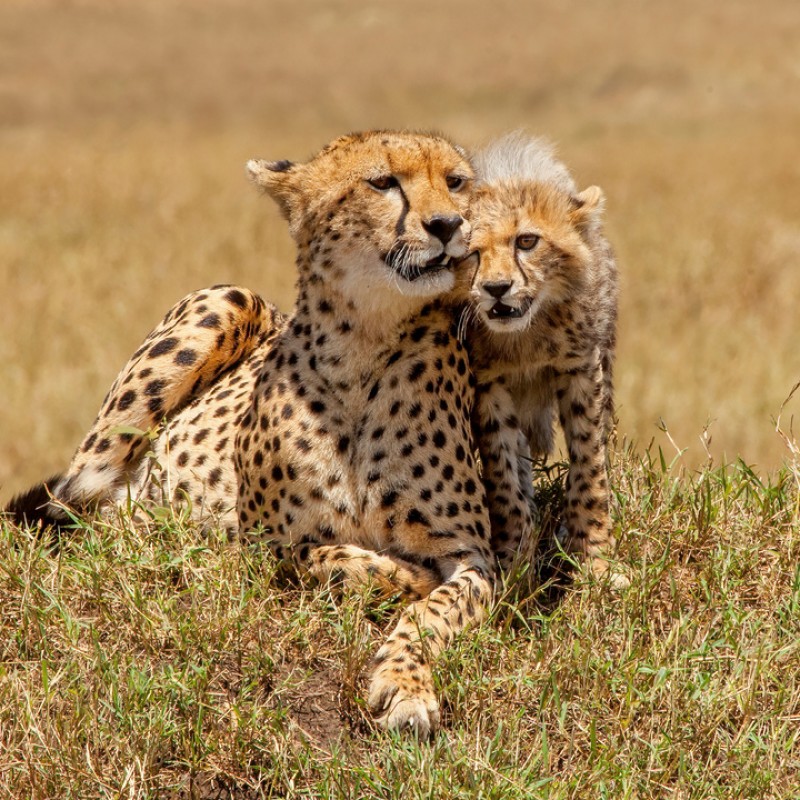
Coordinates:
[513,325]
[426,285]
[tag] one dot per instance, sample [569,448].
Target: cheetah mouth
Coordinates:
[434,265]
[413,272]
[501,310]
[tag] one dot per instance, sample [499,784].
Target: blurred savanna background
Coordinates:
[125,126]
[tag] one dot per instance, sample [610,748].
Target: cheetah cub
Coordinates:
[542,329]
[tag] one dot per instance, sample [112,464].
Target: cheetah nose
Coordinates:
[443,227]
[497,288]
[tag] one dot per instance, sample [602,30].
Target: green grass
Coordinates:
[125,128]
[153,662]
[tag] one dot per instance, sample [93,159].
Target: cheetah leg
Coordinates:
[525,470]
[506,476]
[608,416]
[583,415]
[202,336]
[356,567]
[401,690]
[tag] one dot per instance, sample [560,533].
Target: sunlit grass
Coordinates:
[124,132]
[154,662]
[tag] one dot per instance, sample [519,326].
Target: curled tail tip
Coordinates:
[32,508]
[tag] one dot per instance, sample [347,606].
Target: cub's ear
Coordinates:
[278,179]
[587,208]
[590,199]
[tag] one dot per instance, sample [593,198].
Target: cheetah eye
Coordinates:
[455,182]
[527,241]
[383,183]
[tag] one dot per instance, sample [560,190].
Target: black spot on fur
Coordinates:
[186,358]
[416,371]
[209,321]
[280,166]
[126,400]
[163,347]
[416,516]
[237,298]
[418,333]
[154,388]
[389,499]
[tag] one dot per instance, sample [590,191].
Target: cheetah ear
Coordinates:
[278,179]
[589,200]
[587,208]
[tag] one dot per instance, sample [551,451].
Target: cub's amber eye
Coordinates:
[384,182]
[455,182]
[527,241]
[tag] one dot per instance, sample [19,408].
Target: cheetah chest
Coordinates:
[333,456]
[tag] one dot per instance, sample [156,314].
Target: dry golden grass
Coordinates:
[154,662]
[124,128]
[150,662]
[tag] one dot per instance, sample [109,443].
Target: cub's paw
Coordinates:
[404,703]
[611,573]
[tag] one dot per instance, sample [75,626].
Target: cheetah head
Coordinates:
[379,215]
[528,250]
[531,237]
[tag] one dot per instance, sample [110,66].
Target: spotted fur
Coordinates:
[543,289]
[340,436]
[204,346]
[355,458]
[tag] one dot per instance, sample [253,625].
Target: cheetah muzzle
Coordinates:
[502,310]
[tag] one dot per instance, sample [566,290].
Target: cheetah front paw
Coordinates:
[403,705]
[612,573]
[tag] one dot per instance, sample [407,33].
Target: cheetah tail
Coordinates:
[32,508]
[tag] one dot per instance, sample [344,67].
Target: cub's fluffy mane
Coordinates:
[520,157]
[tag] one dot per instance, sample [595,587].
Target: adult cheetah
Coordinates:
[342,435]
[356,455]
[542,329]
